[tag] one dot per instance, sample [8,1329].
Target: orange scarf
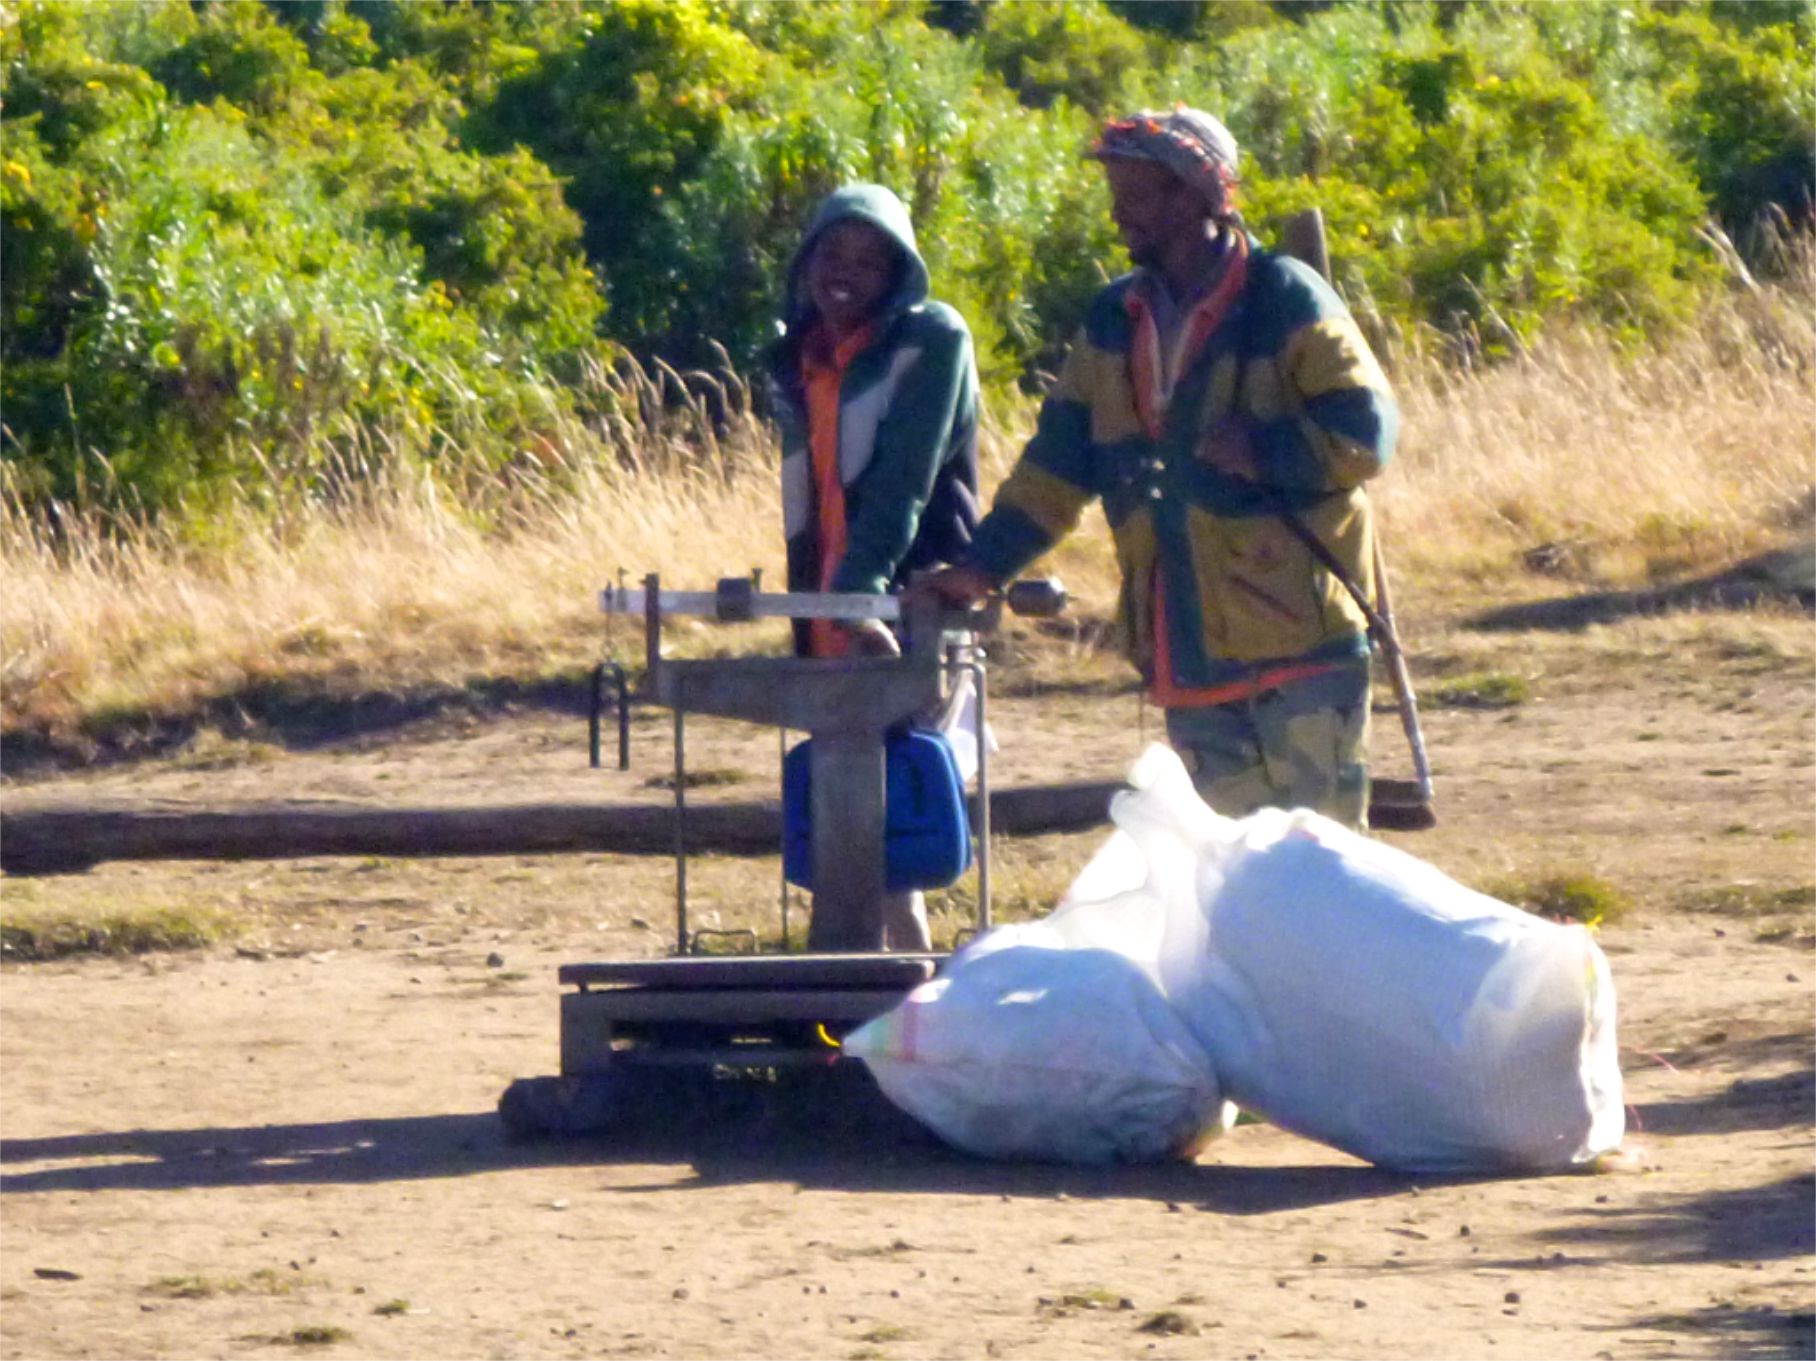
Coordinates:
[1153,377]
[823,364]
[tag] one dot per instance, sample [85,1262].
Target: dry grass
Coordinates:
[395,585]
[1575,461]
[1578,460]
[34,932]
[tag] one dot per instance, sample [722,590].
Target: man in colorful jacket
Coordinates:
[876,391]
[877,400]
[1212,388]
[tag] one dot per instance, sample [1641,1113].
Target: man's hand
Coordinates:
[954,587]
[872,638]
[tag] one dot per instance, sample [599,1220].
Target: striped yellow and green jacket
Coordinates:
[1237,589]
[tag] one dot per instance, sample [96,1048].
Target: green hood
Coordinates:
[870,203]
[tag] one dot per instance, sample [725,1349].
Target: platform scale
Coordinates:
[654,1032]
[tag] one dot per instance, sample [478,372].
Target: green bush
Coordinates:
[1565,896]
[240,54]
[1011,220]
[238,309]
[626,118]
[239,240]
[197,296]
[1078,51]
[1468,182]
[1743,112]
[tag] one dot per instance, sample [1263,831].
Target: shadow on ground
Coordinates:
[291,712]
[1740,1225]
[1788,1099]
[713,1151]
[1781,578]
[1737,1332]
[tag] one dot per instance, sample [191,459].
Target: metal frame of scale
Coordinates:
[623,1021]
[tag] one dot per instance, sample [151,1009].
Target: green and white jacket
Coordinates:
[908,414]
[1240,591]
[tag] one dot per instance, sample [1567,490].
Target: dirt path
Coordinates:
[288,1142]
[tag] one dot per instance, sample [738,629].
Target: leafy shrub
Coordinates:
[242,240]
[236,314]
[196,294]
[1565,896]
[1743,112]
[1194,20]
[59,79]
[626,117]
[1010,218]
[1467,183]
[471,48]
[1078,51]
[239,54]
[35,937]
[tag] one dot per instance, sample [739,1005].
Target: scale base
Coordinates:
[698,1044]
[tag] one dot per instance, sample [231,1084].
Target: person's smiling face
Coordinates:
[1153,210]
[851,271]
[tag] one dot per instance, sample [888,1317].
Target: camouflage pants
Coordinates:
[1301,745]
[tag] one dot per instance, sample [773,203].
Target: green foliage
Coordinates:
[60,81]
[627,117]
[1467,183]
[1565,895]
[1010,218]
[239,54]
[1743,112]
[249,283]
[1480,690]
[236,309]
[35,936]
[246,241]
[337,41]
[49,214]
[471,47]
[1078,51]
[1194,21]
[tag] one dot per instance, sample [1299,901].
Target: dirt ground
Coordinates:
[288,1141]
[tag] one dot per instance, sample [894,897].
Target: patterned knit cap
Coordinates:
[1189,142]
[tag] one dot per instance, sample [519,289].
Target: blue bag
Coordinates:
[926,830]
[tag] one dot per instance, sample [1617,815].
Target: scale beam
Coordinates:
[736,600]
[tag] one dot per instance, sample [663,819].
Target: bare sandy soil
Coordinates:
[288,1142]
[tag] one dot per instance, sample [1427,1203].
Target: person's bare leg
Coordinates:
[905,922]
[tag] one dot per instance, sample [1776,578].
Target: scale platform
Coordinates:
[654,1041]
[655,1035]
[729,1010]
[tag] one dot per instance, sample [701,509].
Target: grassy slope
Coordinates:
[1573,469]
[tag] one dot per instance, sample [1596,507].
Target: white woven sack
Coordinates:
[1027,1048]
[1357,995]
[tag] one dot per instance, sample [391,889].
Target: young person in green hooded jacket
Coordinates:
[877,397]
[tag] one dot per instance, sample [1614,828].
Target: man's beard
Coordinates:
[1143,254]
